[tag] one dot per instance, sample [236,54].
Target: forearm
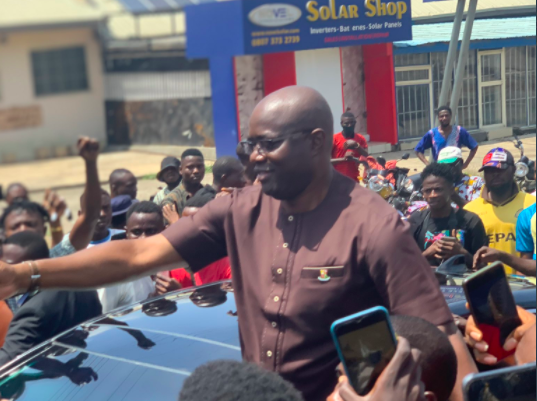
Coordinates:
[84,227]
[56,232]
[422,157]
[465,363]
[527,267]
[106,264]
[471,156]
[363,151]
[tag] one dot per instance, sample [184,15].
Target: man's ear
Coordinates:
[318,139]
[429,396]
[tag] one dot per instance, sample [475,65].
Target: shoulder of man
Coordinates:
[468,217]
[475,205]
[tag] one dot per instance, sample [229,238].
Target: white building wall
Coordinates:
[65,116]
[321,69]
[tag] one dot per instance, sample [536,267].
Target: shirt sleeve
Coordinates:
[201,239]
[479,236]
[425,143]
[362,141]
[64,248]
[524,239]
[402,275]
[467,139]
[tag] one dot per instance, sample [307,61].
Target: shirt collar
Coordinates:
[485,194]
[106,239]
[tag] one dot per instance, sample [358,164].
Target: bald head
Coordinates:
[16,191]
[290,142]
[294,109]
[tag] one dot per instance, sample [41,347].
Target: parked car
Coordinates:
[142,352]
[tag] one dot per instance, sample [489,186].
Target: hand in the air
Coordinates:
[55,205]
[170,213]
[88,148]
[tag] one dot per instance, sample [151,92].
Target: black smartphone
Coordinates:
[515,383]
[493,307]
[365,343]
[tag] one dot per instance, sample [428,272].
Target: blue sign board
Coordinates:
[259,26]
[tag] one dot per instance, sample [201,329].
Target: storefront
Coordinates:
[256,47]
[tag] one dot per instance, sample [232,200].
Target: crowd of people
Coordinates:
[275,218]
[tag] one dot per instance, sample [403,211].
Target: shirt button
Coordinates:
[276,299]
[269,354]
[279,271]
[286,245]
[274,324]
[290,218]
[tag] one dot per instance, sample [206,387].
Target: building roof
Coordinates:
[444,11]
[485,29]
[24,14]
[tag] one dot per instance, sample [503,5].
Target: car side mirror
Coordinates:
[406,156]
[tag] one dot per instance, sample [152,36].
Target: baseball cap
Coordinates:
[121,204]
[498,158]
[169,161]
[450,154]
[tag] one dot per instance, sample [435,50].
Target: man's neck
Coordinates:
[312,196]
[445,131]
[192,188]
[501,194]
[441,213]
[171,187]
[99,236]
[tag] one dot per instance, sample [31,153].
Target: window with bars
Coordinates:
[491,81]
[413,92]
[59,71]
[516,86]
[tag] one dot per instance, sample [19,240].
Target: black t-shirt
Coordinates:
[427,230]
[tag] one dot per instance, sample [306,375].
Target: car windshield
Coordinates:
[141,353]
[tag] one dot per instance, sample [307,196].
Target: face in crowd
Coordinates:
[444,117]
[144,225]
[123,182]
[437,192]
[192,170]
[497,179]
[105,217]
[171,175]
[20,220]
[348,124]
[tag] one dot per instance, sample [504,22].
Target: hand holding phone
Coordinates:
[366,344]
[494,311]
[401,380]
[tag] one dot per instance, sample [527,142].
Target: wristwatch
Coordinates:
[35,278]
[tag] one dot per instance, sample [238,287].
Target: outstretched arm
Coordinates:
[95,267]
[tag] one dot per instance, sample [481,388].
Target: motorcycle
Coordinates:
[525,168]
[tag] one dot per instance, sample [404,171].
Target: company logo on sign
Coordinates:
[274,15]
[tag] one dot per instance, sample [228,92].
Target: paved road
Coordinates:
[68,173]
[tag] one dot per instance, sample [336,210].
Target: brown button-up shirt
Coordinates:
[295,274]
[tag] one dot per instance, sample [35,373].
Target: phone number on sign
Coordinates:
[277,40]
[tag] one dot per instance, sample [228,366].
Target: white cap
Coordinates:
[450,154]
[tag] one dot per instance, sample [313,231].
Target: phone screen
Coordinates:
[366,352]
[509,385]
[491,300]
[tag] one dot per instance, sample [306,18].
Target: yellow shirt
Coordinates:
[534,232]
[500,221]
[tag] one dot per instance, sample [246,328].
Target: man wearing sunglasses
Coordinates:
[306,247]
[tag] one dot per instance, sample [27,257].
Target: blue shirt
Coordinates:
[434,140]
[524,238]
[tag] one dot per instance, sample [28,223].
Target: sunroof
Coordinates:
[150,6]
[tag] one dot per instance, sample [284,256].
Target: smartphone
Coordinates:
[449,239]
[493,307]
[365,343]
[516,383]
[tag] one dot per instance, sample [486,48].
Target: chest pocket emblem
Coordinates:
[323,275]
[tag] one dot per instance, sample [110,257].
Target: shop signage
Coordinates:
[261,26]
[20,117]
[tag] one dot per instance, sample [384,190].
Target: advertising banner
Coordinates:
[240,27]
[299,25]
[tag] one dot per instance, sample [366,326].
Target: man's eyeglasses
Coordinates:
[268,145]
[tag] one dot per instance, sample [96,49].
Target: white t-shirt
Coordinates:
[123,294]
